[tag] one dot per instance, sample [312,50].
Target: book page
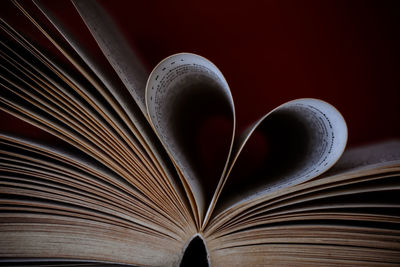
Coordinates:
[81,172]
[369,156]
[378,171]
[92,56]
[38,91]
[305,138]
[115,48]
[59,205]
[144,140]
[182,92]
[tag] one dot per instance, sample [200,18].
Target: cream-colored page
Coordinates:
[108,79]
[372,156]
[115,48]
[326,139]
[129,69]
[171,86]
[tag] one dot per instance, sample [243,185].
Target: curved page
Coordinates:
[304,138]
[183,92]
[115,48]
[144,140]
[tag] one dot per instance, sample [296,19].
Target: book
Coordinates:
[114,166]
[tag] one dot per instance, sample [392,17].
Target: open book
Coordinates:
[112,169]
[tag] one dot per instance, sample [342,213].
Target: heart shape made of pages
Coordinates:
[191,108]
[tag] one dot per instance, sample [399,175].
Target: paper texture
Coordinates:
[174,86]
[115,48]
[307,137]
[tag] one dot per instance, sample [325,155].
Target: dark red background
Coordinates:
[344,52]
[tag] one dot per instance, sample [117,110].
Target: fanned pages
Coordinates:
[98,167]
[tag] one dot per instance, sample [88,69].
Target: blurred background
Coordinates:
[344,52]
